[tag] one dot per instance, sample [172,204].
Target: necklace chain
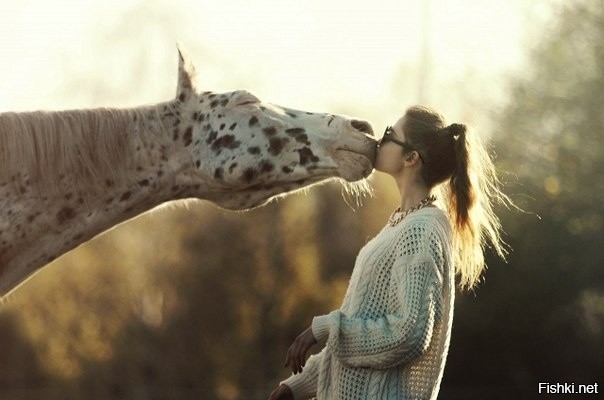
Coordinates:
[424,203]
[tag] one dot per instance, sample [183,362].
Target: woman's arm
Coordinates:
[395,338]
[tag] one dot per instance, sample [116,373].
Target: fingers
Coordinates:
[292,358]
[287,357]
[296,356]
[299,354]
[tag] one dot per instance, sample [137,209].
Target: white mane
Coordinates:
[37,149]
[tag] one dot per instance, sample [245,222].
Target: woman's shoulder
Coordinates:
[427,229]
[426,236]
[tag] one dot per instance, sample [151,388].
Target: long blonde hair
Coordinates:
[459,162]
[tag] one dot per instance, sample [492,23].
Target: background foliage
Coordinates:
[221,295]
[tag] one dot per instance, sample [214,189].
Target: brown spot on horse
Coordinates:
[270,131]
[276,146]
[65,214]
[126,196]
[249,174]
[225,142]
[306,156]
[188,136]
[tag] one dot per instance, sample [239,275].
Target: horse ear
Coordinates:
[186,76]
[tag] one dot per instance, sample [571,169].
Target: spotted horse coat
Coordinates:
[68,176]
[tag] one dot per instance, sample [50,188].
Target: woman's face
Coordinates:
[389,157]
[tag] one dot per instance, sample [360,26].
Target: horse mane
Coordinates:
[39,149]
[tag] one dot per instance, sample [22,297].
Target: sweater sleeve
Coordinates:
[397,337]
[304,384]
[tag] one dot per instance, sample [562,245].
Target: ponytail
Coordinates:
[462,194]
[473,190]
[470,187]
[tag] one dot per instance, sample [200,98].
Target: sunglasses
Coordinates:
[389,137]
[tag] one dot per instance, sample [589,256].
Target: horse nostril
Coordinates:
[362,126]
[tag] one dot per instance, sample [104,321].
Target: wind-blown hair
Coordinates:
[38,148]
[459,162]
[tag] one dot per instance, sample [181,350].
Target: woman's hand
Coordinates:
[296,355]
[283,392]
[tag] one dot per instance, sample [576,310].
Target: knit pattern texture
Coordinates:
[390,337]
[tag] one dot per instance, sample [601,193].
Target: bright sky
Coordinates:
[351,57]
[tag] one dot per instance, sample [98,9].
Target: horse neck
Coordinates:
[66,193]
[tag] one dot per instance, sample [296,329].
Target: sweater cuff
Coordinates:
[320,327]
[301,388]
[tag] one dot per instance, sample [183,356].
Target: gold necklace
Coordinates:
[425,202]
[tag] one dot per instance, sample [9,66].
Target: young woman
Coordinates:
[390,338]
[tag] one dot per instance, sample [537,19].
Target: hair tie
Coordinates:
[457,131]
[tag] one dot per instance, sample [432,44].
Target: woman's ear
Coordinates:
[411,158]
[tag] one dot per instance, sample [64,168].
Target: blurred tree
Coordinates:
[246,286]
[541,317]
[19,364]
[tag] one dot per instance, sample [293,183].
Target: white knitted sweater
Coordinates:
[390,338]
